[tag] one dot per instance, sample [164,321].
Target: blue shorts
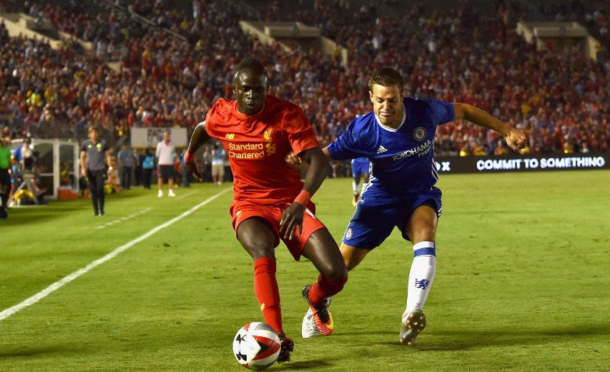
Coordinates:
[377,214]
[360,166]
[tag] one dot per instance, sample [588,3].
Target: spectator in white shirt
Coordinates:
[166,155]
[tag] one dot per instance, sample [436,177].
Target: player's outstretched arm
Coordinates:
[318,169]
[199,137]
[514,137]
[292,217]
[296,162]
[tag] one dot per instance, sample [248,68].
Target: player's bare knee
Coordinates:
[338,274]
[350,263]
[422,232]
[257,247]
[424,235]
[332,270]
[257,251]
[352,256]
[257,238]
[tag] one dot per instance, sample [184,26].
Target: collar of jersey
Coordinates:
[244,116]
[390,129]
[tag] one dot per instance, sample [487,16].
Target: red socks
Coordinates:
[267,292]
[324,288]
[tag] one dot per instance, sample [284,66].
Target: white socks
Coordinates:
[355,187]
[421,275]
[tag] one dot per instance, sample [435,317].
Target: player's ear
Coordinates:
[371,95]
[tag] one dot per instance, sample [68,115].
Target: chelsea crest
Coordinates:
[419,133]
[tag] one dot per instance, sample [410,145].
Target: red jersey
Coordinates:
[256,146]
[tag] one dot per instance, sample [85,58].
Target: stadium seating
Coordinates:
[560,100]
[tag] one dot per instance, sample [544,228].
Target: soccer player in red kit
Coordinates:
[270,202]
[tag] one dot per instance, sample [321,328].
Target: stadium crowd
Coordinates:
[559,99]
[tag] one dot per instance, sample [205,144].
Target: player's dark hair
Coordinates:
[251,64]
[386,76]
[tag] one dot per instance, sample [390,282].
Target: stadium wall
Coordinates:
[550,162]
[143,138]
[17,25]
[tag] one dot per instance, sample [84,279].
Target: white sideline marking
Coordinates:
[60,283]
[185,195]
[123,219]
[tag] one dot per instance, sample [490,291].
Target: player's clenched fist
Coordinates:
[192,167]
[292,217]
[515,139]
[292,159]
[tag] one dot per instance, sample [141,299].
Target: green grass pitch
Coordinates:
[522,284]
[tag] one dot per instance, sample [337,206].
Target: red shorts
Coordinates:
[242,210]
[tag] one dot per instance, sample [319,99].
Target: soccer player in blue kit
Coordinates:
[360,171]
[398,138]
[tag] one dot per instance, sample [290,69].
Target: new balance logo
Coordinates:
[381,150]
[421,283]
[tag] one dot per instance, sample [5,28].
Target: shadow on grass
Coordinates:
[32,215]
[302,365]
[367,332]
[34,352]
[19,219]
[457,340]
[127,194]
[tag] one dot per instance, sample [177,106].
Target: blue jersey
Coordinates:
[403,158]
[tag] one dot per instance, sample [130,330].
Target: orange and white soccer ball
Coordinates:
[256,346]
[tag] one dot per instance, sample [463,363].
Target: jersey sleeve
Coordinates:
[209,129]
[300,132]
[212,117]
[344,147]
[82,148]
[441,112]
